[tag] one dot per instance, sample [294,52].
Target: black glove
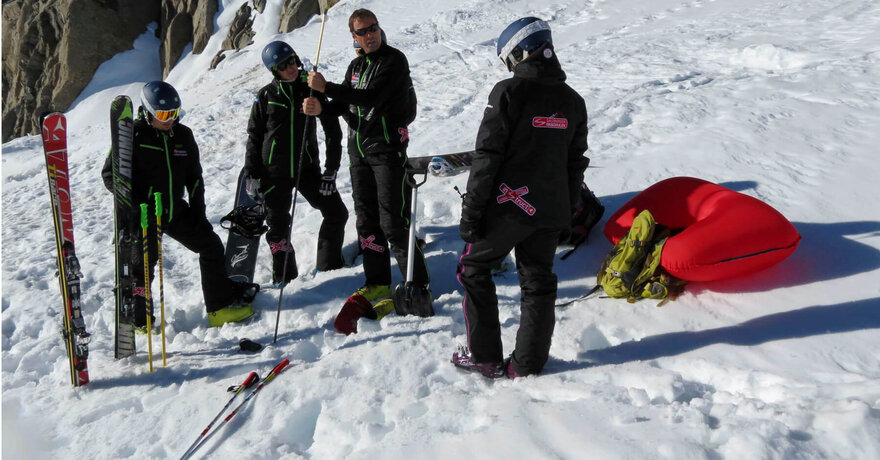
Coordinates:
[328,182]
[471,226]
[252,188]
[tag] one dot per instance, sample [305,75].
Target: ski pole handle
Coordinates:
[144,213]
[277,370]
[158,197]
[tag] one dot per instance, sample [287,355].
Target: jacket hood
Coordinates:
[543,69]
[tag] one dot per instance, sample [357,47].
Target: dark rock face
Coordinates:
[184,21]
[295,13]
[51,49]
[241,33]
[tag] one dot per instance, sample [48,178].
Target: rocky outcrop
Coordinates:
[241,33]
[295,13]
[184,22]
[51,49]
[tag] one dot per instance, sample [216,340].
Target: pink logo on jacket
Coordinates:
[508,194]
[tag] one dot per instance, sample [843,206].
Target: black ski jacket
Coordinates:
[275,131]
[529,158]
[166,162]
[377,100]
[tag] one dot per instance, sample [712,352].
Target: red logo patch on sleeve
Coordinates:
[550,122]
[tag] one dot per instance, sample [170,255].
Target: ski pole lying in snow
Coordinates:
[158,206]
[249,382]
[277,370]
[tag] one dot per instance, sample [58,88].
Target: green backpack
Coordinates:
[632,269]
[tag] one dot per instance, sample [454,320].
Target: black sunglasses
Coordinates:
[366,30]
[282,66]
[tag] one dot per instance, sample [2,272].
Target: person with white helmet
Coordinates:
[273,157]
[165,159]
[524,183]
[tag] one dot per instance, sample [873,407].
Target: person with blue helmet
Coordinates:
[377,100]
[273,158]
[165,158]
[524,183]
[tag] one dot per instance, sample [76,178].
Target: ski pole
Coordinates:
[322,4]
[158,201]
[249,382]
[148,303]
[277,370]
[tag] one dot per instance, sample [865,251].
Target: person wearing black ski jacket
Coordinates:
[525,181]
[275,133]
[378,102]
[165,159]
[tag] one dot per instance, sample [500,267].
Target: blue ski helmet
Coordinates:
[161,100]
[521,38]
[277,52]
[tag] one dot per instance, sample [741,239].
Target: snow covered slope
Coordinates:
[777,99]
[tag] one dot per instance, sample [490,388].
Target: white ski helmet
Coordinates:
[522,38]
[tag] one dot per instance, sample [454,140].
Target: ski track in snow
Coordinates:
[778,100]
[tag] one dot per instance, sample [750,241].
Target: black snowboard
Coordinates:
[241,250]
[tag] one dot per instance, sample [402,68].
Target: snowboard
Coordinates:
[76,339]
[241,250]
[442,165]
[125,219]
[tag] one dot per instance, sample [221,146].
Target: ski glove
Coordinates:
[252,188]
[471,226]
[328,182]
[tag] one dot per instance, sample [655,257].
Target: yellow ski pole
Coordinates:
[149,300]
[158,197]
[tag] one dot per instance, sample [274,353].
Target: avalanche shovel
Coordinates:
[410,298]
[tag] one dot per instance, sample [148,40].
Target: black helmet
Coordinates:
[520,39]
[161,100]
[277,52]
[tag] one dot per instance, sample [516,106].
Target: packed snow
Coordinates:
[779,100]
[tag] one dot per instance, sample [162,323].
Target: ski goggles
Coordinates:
[366,30]
[165,115]
[283,65]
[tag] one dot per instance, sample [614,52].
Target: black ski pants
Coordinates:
[534,250]
[279,194]
[382,205]
[194,232]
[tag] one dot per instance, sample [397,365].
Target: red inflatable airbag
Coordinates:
[725,234]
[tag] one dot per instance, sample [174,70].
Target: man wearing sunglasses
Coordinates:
[275,132]
[165,159]
[378,102]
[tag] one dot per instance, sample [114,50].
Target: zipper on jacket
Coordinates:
[385,130]
[170,180]
[360,115]
[292,119]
